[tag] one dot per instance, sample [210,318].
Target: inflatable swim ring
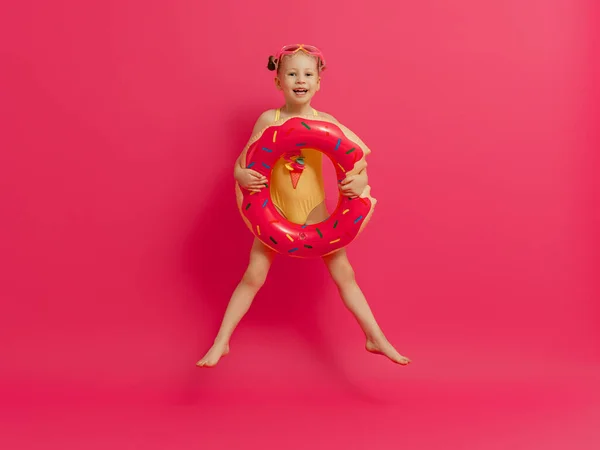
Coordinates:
[260,214]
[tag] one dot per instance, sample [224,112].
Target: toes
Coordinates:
[207,363]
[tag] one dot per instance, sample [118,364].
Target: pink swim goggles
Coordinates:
[295,48]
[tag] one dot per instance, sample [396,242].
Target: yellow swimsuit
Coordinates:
[296,203]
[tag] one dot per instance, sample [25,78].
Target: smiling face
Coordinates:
[298,78]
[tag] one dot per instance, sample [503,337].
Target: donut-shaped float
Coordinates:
[290,136]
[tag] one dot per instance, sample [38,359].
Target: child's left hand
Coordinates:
[354,185]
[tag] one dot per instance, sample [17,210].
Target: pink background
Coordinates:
[120,241]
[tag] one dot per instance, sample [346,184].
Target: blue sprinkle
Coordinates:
[266,166]
[300,144]
[268,150]
[293,250]
[304,226]
[358,219]
[265,202]
[251,164]
[338,144]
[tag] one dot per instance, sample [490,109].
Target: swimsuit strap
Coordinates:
[278,114]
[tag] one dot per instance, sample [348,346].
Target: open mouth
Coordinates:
[300,92]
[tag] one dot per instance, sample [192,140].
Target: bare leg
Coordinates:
[261,258]
[343,275]
[318,214]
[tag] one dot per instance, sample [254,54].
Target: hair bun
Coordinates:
[272,63]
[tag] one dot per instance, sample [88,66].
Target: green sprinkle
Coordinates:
[307,127]
[351,150]
[308,246]
[248,206]
[319,231]
[335,224]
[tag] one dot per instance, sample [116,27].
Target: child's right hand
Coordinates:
[251,180]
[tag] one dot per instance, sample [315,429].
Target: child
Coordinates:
[298,69]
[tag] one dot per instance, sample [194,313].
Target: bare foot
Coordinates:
[382,346]
[214,354]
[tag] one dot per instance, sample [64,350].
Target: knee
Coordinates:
[342,274]
[254,278]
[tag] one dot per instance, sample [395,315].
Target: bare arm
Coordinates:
[261,123]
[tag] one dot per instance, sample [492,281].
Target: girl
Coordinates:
[298,69]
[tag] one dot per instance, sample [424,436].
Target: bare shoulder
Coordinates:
[263,121]
[328,116]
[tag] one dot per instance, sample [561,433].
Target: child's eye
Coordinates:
[292,74]
[309,74]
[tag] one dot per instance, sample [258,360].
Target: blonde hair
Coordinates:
[274,64]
